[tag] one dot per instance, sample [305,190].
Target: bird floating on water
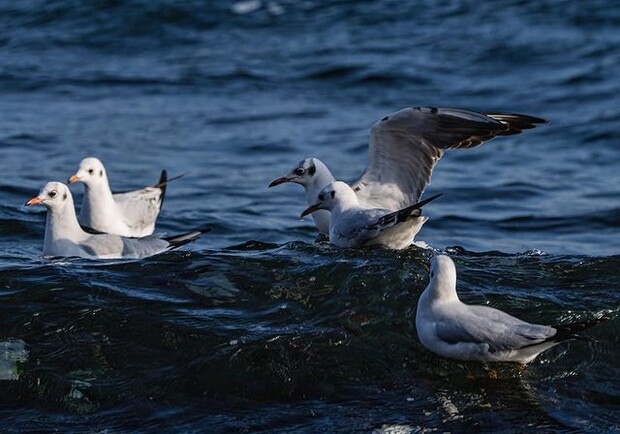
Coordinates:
[453,329]
[130,214]
[65,237]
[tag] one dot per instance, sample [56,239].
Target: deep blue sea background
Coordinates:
[257,327]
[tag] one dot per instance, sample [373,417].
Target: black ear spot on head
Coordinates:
[64,196]
[100,173]
[333,193]
[385,118]
[312,169]
[432,274]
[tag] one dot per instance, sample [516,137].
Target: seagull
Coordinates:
[65,237]
[453,329]
[130,214]
[353,225]
[403,150]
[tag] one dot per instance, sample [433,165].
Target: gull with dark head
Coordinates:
[65,237]
[353,225]
[403,150]
[130,214]
[453,329]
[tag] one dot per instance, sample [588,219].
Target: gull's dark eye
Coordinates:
[91,171]
[321,196]
[299,171]
[52,193]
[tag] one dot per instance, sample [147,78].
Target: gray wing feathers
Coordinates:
[106,245]
[358,225]
[140,208]
[498,329]
[405,146]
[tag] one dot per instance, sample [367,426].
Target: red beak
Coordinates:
[35,201]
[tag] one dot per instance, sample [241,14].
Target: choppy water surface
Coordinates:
[257,327]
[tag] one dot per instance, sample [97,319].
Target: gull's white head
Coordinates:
[333,194]
[307,172]
[442,276]
[91,172]
[55,196]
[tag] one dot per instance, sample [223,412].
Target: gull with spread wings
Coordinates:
[403,150]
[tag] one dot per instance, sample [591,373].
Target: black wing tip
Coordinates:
[418,205]
[408,212]
[162,184]
[91,231]
[497,116]
[164,180]
[428,199]
[516,123]
[518,117]
[179,240]
[571,330]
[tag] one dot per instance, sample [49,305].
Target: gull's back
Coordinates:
[470,332]
[107,246]
[357,228]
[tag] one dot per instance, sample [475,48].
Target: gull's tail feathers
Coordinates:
[572,330]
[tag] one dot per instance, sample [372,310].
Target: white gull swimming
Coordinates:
[130,214]
[65,237]
[453,329]
[403,150]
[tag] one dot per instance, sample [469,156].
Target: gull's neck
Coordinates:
[61,225]
[442,289]
[98,202]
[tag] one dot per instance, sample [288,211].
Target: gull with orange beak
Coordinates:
[403,149]
[130,214]
[353,225]
[65,237]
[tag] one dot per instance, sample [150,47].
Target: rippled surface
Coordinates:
[257,327]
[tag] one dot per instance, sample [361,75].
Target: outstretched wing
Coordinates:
[405,146]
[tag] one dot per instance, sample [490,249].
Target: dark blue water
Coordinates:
[256,327]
